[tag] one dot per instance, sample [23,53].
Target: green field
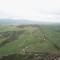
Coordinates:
[29,38]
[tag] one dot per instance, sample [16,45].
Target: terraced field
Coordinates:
[25,39]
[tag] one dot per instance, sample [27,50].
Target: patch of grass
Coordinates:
[15,39]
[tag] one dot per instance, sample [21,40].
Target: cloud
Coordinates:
[37,10]
[46,10]
[16,8]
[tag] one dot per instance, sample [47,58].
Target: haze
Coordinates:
[35,10]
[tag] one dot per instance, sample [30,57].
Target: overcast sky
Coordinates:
[37,10]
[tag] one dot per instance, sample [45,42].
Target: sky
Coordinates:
[35,10]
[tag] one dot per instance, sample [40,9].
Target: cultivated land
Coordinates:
[17,42]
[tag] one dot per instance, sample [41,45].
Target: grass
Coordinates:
[33,38]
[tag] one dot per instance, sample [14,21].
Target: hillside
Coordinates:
[29,38]
[15,22]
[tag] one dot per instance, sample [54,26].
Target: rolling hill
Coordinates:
[21,39]
[16,22]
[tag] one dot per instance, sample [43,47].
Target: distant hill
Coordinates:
[12,21]
[24,22]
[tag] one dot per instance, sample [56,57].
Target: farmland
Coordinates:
[22,39]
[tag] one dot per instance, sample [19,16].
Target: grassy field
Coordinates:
[29,38]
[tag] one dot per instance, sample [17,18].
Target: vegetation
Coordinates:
[21,41]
